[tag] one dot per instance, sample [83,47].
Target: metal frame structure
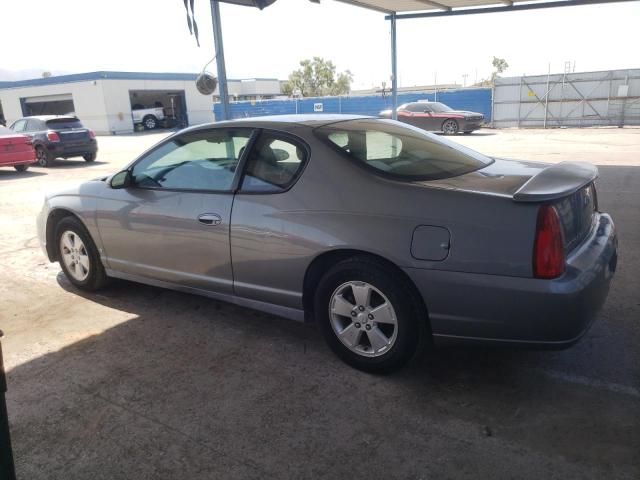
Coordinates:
[557,100]
[401,10]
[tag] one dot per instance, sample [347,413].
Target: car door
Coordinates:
[269,258]
[430,121]
[172,223]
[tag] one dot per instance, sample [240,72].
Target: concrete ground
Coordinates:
[140,383]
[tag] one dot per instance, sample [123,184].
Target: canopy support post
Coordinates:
[222,70]
[394,68]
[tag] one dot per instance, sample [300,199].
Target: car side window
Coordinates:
[274,164]
[32,126]
[201,160]
[19,126]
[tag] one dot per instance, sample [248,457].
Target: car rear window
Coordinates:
[401,151]
[63,123]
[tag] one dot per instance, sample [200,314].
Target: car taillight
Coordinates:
[92,134]
[548,249]
[53,137]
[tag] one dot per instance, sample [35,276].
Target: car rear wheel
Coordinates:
[368,315]
[78,255]
[150,122]
[450,127]
[21,168]
[44,158]
[91,157]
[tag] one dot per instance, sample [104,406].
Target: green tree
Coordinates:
[317,77]
[500,65]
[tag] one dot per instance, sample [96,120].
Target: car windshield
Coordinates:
[401,151]
[63,123]
[439,107]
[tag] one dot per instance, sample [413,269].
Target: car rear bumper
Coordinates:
[9,159]
[492,309]
[77,150]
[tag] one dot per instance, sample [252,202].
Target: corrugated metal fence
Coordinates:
[473,99]
[571,99]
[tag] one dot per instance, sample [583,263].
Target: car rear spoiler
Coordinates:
[556,181]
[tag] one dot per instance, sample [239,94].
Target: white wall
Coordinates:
[87,100]
[104,105]
[118,105]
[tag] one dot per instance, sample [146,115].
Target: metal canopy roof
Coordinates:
[440,8]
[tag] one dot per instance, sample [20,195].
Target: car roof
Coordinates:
[50,117]
[282,121]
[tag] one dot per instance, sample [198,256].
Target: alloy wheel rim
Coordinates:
[150,123]
[363,319]
[450,127]
[75,255]
[41,156]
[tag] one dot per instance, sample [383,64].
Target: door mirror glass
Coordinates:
[121,179]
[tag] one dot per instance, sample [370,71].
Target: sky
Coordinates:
[152,35]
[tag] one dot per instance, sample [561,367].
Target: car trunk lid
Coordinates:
[568,186]
[14,143]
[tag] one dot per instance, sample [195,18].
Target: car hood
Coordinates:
[466,113]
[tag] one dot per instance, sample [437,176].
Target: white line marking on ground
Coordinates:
[592,382]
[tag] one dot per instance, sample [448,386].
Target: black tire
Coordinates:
[412,325]
[21,168]
[150,122]
[91,157]
[450,127]
[468,132]
[96,277]
[44,157]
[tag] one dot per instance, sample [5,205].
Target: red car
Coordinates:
[15,150]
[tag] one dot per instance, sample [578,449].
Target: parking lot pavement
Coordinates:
[139,382]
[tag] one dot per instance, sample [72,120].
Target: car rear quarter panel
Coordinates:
[337,204]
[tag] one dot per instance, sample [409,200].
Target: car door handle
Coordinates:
[210,219]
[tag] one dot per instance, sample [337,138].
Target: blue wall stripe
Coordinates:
[475,100]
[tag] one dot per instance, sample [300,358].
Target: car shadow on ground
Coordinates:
[195,388]
[188,387]
[76,163]
[482,133]
[10,173]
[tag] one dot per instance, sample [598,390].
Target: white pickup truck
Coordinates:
[149,117]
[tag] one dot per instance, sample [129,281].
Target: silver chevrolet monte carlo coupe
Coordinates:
[389,237]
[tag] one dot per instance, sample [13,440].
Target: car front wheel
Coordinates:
[78,255]
[369,316]
[91,157]
[450,127]
[21,168]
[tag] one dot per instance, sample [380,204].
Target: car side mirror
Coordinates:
[121,180]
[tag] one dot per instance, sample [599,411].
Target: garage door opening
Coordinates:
[48,105]
[152,109]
